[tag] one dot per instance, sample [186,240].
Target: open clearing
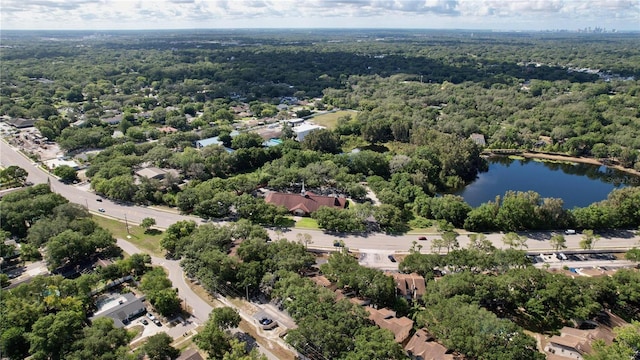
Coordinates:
[329,120]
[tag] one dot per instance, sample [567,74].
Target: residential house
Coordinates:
[21,123]
[575,343]
[191,354]
[214,140]
[304,129]
[422,346]
[121,309]
[478,139]
[113,120]
[167,129]
[411,286]
[305,203]
[386,319]
[152,173]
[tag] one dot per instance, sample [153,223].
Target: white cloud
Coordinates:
[153,14]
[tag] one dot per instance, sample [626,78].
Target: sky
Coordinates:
[621,15]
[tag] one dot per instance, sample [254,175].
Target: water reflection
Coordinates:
[577,184]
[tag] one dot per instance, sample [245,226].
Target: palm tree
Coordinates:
[558,242]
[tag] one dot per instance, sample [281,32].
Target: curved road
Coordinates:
[380,243]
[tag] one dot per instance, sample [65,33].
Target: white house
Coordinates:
[304,129]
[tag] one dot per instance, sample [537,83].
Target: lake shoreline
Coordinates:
[558,157]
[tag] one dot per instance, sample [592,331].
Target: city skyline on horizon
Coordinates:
[491,15]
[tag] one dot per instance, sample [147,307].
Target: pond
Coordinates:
[577,184]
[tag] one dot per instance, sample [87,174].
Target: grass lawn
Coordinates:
[149,242]
[330,120]
[307,223]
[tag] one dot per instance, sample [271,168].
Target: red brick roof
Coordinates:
[306,204]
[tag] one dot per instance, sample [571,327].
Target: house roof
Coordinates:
[215,140]
[191,354]
[308,203]
[422,346]
[478,139]
[128,305]
[400,327]
[167,129]
[408,283]
[151,172]
[321,280]
[21,122]
[306,127]
[581,340]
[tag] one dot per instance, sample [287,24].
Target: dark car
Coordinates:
[265,321]
[391,258]
[144,322]
[422,238]
[99,200]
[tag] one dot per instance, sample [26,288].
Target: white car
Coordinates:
[150,316]
[101,210]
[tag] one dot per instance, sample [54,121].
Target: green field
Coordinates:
[330,120]
[307,223]
[149,242]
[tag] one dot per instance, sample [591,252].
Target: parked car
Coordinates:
[157,322]
[101,210]
[265,321]
[150,316]
[391,258]
[570,232]
[144,322]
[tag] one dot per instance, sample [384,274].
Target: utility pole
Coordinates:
[126,223]
[87,203]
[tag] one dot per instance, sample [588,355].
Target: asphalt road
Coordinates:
[371,243]
[199,308]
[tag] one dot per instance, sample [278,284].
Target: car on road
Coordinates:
[569,232]
[144,322]
[157,322]
[422,238]
[99,200]
[101,210]
[391,258]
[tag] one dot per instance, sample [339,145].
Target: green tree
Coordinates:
[588,239]
[633,254]
[147,223]
[102,341]
[625,346]
[13,343]
[513,240]
[215,338]
[158,347]
[52,336]
[322,140]
[375,343]
[558,242]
